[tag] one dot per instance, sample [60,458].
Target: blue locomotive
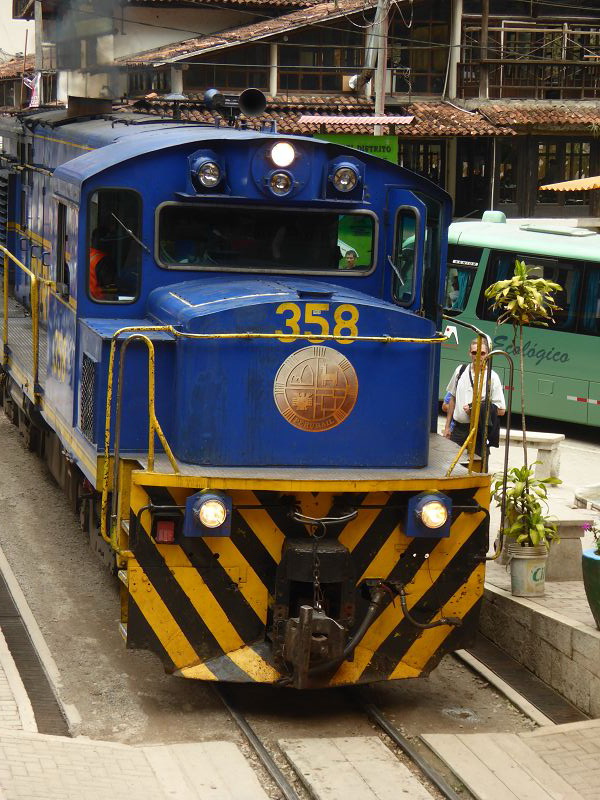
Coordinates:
[224,344]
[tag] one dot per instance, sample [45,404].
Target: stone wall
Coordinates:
[562,653]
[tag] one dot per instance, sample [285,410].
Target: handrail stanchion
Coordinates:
[5,308]
[34,297]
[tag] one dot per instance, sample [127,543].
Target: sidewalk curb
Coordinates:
[520,702]
[69,711]
[17,689]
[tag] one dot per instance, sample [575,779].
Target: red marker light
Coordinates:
[165,531]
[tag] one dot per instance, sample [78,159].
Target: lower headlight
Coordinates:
[280,183]
[433,514]
[212,513]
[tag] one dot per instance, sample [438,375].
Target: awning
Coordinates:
[578,185]
[354,120]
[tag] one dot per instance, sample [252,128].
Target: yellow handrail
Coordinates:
[154,428]
[34,311]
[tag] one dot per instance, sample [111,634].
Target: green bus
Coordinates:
[562,362]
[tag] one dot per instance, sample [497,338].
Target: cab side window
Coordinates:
[114,254]
[405,255]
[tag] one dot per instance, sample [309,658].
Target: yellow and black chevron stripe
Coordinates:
[204,607]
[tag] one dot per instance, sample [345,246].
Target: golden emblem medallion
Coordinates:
[315,388]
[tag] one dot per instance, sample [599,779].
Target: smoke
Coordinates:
[83,34]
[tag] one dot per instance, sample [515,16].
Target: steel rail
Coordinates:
[266,759]
[432,775]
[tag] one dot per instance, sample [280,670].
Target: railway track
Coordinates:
[360,700]
[526,692]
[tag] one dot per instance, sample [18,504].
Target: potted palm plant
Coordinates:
[525,299]
[591,571]
[529,527]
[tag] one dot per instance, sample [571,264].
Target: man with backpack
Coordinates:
[460,389]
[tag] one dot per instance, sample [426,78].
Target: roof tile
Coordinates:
[431,120]
[525,115]
[247,33]
[14,67]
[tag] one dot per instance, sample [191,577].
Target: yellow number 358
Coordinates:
[318,315]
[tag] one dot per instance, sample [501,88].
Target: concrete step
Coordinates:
[352,768]
[40,767]
[499,766]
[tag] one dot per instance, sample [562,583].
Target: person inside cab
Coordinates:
[102,271]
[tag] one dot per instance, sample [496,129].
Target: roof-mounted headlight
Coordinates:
[209,174]
[280,183]
[345,178]
[283,154]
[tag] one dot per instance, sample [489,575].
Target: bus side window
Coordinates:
[463,262]
[591,303]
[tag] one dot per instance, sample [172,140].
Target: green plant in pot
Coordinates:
[528,526]
[522,300]
[591,571]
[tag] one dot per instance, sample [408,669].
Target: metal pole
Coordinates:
[39,54]
[381,34]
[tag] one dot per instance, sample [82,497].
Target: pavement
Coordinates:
[561,762]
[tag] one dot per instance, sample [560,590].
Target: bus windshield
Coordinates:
[462,269]
[264,239]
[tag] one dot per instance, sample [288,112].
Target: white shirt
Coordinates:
[463,392]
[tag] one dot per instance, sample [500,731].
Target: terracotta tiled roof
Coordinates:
[431,120]
[217,3]
[439,119]
[543,115]
[247,33]
[14,67]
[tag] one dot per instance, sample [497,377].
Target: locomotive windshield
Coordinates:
[264,239]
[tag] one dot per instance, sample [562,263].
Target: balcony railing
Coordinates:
[532,79]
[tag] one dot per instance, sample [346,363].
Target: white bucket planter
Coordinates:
[527,570]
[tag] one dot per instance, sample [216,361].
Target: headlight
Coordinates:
[280,183]
[283,154]
[345,179]
[209,174]
[434,514]
[212,513]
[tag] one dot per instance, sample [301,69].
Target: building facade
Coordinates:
[502,95]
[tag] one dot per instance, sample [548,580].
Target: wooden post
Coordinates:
[23,71]
[484,89]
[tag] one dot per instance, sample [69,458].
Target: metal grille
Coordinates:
[88,391]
